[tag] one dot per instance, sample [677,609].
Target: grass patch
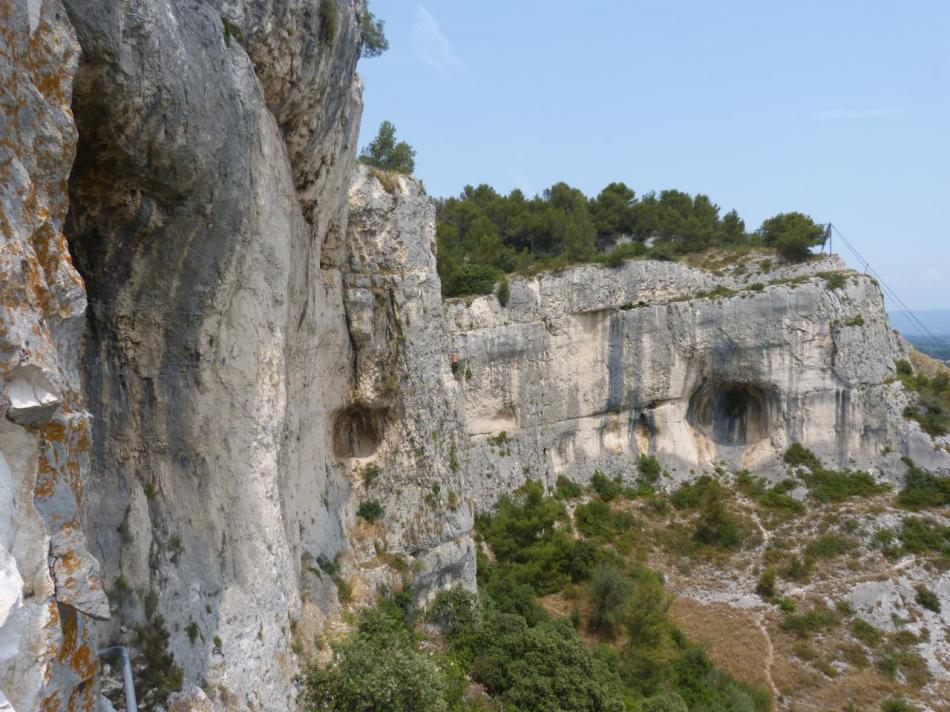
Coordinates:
[829,546]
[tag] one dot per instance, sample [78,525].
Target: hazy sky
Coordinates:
[837,108]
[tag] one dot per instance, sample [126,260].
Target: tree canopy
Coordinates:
[387,154]
[372,32]
[793,235]
[483,234]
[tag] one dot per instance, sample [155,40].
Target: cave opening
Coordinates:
[357,431]
[731,413]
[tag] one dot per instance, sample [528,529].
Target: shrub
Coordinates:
[504,292]
[329,21]
[898,704]
[799,569]
[609,592]
[597,519]
[691,495]
[370,474]
[370,510]
[649,469]
[927,598]
[867,633]
[919,536]
[765,586]
[717,526]
[828,546]
[377,667]
[837,486]
[834,280]
[454,610]
[805,625]
[566,488]
[607,489]
[857,320]
[799,456]
[923,489]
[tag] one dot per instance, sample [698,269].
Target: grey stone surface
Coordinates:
[49,583]
[588,368]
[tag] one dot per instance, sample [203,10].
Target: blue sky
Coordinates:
[837,108]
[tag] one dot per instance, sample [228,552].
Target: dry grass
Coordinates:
[732,637]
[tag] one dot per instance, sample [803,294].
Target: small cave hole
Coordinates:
[357,431]
[732,413]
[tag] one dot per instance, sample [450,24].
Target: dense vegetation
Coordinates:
[933,408]
[484,235]
[522,657]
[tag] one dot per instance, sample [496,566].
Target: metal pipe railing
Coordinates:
[123,653]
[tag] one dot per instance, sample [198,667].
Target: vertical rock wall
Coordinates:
[215,144]
[49,584]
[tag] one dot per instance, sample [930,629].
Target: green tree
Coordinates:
[387,154]
[793,235]
[609,592]
[361,678]
[374,38]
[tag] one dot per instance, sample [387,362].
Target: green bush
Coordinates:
[649,469]
[837,486]
[597,519]
[829,545]
[799,456]
[454,611]
[717,526]
[566,488]
[804,625]
[898,704]
[370,510]
[607,489]
[529,536]
[504,292]
[377,668]
[765,586]
[793,235]
[329,21]
[867,633]
[834,280]
[691,495]
[923,489]
[927,598]
[919,536]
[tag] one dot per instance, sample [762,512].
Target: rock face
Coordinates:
[49,583]
[282,407]
[589,368]
[216,141]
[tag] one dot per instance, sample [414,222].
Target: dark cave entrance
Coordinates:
[731,413]
[357,431]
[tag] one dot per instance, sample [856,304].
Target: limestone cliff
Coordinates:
[49,584]
[266,406]
[588,368]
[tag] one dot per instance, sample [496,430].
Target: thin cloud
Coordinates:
[858,114]
[432,47]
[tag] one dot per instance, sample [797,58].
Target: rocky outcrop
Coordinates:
[215,144]
[283,408]
[588,368]
[50,589]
